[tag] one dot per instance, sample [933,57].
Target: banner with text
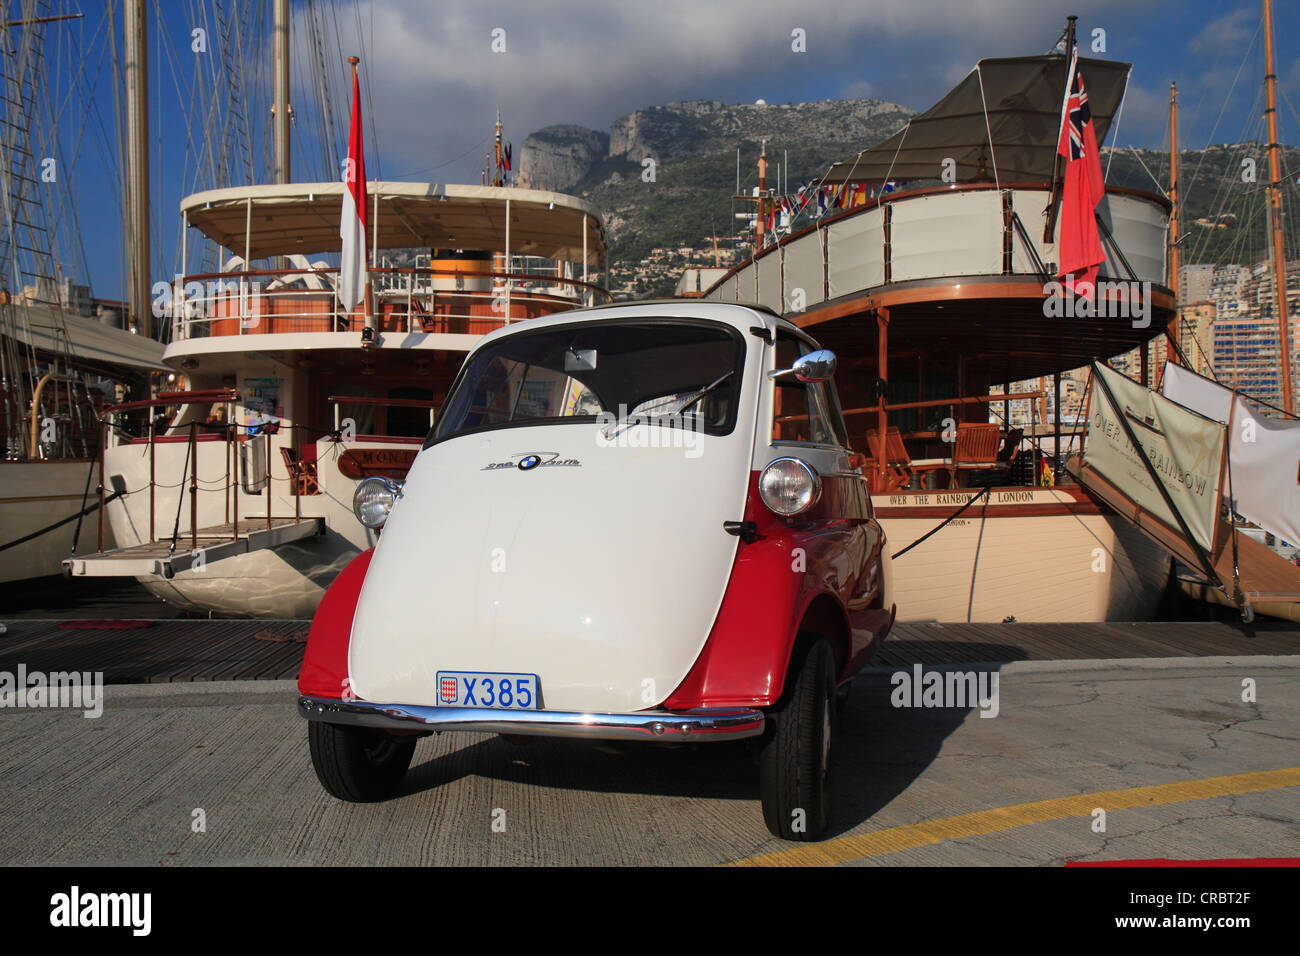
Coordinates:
[1185,449]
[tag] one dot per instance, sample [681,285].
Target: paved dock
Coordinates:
[165,651]
[1151,723]
[1182,766]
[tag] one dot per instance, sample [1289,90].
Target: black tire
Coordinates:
[795,766]
[358,764]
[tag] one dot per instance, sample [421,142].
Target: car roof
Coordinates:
[740,315]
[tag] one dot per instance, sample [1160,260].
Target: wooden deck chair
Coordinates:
[1011,444]
[976,448]
[302,473]
[898,463]
[429,322]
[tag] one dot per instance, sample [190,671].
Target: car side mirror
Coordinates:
[816,366]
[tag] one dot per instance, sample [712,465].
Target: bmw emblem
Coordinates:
[529,462]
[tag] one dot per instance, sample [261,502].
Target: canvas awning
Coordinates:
[91,343]
[304,218]
[1023,97]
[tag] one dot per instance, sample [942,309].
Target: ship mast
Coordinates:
[280,109]
[1058,171]
[136,50]
[1275,213]
[1171,280]
[496,171]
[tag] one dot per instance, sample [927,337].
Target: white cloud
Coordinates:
[1144,110]
[860,90]
[1230,32]
[436,84]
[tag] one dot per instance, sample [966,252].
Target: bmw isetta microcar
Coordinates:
[637,522]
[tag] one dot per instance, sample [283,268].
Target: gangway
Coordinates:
[193,548]
[216,543]
[1163,467]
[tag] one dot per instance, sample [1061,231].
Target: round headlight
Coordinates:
[789,486]
[373,499]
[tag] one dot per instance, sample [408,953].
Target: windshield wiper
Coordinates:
[612,428]
[692,399]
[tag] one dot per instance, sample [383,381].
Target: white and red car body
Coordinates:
[613,580]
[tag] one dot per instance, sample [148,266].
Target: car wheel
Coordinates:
[358,764]
[795,765]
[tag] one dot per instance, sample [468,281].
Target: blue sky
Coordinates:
[434,82]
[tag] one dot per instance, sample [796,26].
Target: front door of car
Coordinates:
[807,423]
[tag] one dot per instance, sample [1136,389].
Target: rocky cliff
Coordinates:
[684,195]
[559,157]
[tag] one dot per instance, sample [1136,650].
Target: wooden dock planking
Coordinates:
[193,650]
[169,650]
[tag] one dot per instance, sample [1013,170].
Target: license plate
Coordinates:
[487,689]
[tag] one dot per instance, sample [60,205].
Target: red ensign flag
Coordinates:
[1079,248]
[352,224]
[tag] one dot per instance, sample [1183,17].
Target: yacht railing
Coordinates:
[426,300]
[187,479]
[942,233]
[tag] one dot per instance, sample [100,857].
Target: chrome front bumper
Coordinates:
[730,723]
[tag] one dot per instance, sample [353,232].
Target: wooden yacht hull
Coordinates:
[1033,554]
[34,495]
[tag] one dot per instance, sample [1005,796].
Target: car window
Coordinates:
[628,368]
[802,411]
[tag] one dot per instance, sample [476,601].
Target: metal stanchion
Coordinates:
[152,472]
[194,486]
[103,440]
[268,480]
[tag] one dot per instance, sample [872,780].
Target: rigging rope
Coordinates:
[59,524]
[1119,118]
[935,530]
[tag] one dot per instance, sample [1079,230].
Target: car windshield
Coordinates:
[644,370]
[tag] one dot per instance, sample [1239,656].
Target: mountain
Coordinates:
[1222,197]
[683,195]
[559,157]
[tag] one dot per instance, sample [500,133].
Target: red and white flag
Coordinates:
[1079,247]
[352,223]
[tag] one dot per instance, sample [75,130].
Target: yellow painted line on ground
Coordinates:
[879,842]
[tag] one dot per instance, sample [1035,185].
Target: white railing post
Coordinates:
[178,307]
[243,278]
[180,326]
[509,281]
